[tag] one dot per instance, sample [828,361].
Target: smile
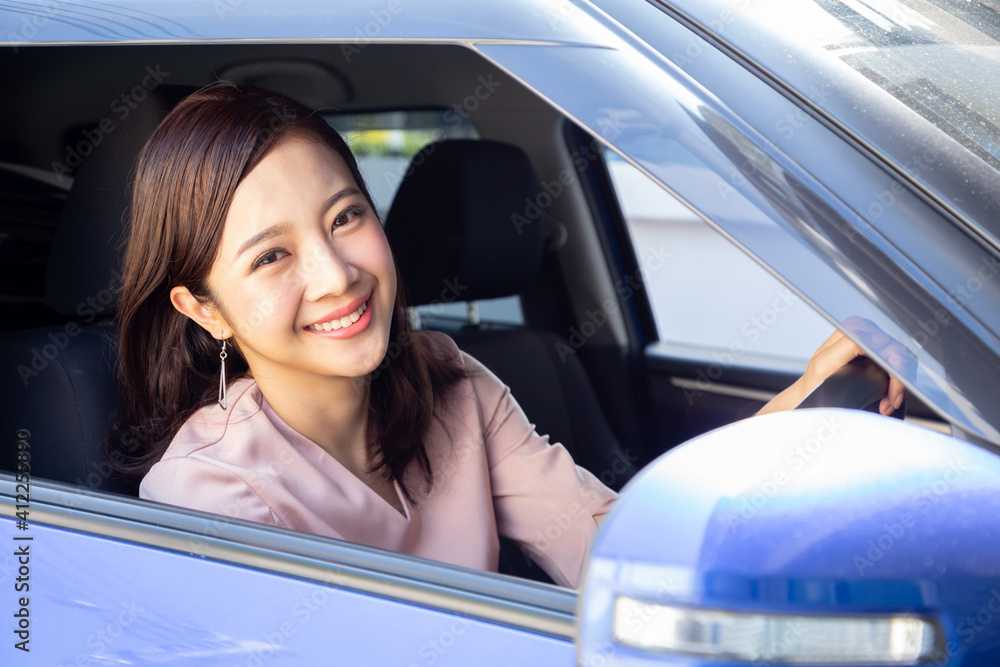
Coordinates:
[342,323]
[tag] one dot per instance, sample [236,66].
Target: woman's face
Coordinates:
[304,276]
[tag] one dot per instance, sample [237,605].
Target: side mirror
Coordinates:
[811,537]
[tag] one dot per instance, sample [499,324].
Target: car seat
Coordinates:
[451,231]
[58,382]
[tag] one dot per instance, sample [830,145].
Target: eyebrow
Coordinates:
[276,230]
[260,237]
[346,192]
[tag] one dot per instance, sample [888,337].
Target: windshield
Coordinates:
[938,57]
[916,80]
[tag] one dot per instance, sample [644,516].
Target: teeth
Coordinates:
[343,322]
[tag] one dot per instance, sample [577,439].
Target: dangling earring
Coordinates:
[222,376]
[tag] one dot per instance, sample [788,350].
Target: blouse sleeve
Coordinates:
[542,500]
[196,484]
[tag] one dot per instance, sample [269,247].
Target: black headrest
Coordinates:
[465,224]
[82,278]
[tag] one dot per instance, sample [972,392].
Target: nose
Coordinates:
[327,271]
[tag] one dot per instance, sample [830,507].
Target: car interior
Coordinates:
[77,117]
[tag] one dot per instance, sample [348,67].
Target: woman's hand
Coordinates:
[836,351]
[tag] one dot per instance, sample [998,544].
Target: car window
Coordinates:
[384,143]
[704,291]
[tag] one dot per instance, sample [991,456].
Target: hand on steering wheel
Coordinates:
[839,375]
[843,377]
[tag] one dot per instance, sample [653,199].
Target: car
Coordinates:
[712,188]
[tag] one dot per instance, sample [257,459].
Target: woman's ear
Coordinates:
[206,316]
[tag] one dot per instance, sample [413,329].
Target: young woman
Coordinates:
[260,294]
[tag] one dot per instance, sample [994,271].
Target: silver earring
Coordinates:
[222,376]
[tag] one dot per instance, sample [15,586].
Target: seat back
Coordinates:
[58,382]
[450,225]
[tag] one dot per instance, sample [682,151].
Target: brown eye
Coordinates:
[268,257]
[348,215]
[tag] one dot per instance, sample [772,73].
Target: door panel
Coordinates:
[96,600]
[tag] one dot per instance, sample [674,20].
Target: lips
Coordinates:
[344,322]
[340,323]
[341,313]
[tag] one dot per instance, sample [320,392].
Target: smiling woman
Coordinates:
[259,295]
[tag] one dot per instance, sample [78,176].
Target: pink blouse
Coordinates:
[493,474]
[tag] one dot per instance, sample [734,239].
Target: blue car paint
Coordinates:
[811,512]
[100,601]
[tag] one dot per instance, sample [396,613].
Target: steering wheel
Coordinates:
[859,385]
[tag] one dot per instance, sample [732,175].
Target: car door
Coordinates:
[846,228]
[93,578]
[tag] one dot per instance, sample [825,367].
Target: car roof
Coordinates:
[134,21]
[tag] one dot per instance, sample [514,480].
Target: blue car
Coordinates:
[713,188]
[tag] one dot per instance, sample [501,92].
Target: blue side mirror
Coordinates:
[812,537]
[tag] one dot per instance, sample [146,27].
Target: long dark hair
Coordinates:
[186,177]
